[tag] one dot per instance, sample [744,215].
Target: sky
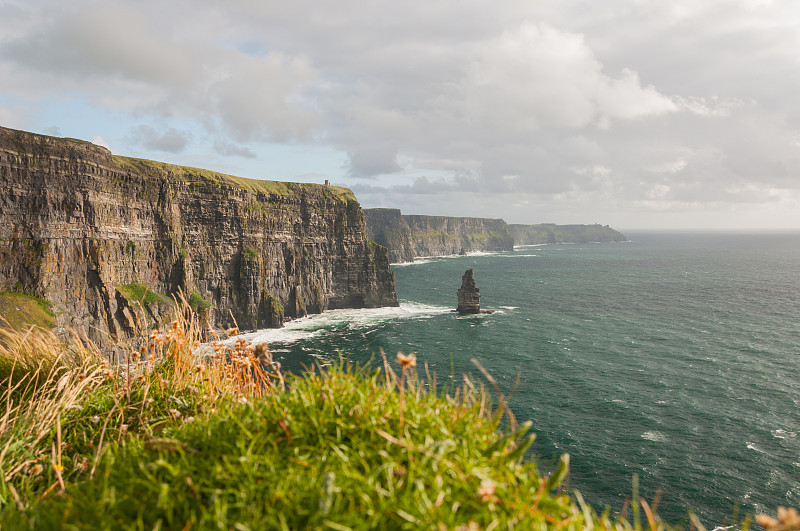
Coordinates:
[641,114]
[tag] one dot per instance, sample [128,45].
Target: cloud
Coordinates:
[170,140]
[100,141]
[520,107]
[223,147]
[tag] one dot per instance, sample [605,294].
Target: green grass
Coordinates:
[249,253]
[277,188]
[197,302]
[20,310]
[137,293]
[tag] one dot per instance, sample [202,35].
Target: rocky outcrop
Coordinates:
[551,233]
[469,296]
[98,234]
[407,236]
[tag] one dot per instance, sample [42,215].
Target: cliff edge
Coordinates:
[107,239]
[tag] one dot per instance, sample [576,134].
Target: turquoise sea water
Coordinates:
[674,356]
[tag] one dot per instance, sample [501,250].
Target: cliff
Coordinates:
[407,236]
[551,233]
[96,234]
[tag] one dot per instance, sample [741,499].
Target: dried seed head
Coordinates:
[407,361]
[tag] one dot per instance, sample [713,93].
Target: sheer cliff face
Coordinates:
[80,227]
[407,236]
[550,233]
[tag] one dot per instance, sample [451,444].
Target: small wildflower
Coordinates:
[175,413]
[188,419]
[95,419]
[123,427]
[149,401]
[407,361]
[472,525]
[37,469]
[486,490]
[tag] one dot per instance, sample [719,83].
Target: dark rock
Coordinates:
[88,231]
[469,296]
[407,236]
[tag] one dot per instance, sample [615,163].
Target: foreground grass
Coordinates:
[177,441]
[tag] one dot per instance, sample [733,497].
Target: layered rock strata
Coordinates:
[410,236]
[100,236]
[407,236]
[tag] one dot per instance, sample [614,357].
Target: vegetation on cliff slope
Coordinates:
[18,310]
[201,437]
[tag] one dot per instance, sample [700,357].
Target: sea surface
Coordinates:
[672,356]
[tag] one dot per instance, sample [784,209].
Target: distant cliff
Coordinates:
[407,236]
[93,232]
[550,233]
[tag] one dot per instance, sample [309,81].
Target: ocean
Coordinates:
[672,356]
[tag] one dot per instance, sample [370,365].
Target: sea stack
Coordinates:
[469,296]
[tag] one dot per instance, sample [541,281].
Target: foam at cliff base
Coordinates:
[419,260]
[353,319]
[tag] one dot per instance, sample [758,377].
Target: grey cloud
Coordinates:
[635,106]
[370,161]
[223,147]
[171,140]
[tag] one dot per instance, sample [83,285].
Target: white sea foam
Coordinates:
[752,446]
[510,307]
[417,261]
[654,436]
[783,434]
[354,319]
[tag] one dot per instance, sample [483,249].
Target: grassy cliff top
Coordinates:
[278,188]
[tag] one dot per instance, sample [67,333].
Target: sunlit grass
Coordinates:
[189,435]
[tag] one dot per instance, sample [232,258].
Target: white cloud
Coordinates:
[628,106]
[100,141]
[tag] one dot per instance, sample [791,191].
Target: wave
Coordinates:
[752,446]
[417,261]
[354,319]
[783,434]
[654,436]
